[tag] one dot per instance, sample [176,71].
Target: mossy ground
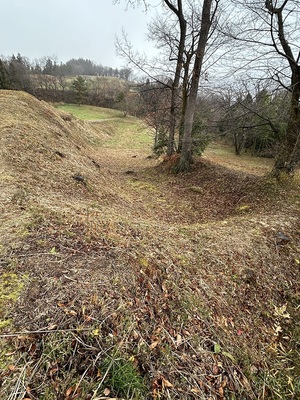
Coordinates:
[193,291]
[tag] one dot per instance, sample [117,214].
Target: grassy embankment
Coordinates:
[131,282]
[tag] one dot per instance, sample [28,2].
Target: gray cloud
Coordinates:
[70,28]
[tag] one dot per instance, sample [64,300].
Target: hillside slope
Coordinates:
[190,284]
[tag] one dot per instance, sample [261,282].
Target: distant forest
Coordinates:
[10,66]
[76,67]
[50,80]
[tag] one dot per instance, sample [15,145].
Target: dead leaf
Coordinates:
[135,334]
[52,327]
[70,390]
[178,341]
[95,299]
[244,208]
[55,385]
[164,287]
[278,330]
[153,345]
[224,382]
[10,354]
[281,312]
[166,383]
[53,371]
[215,370]
[105,398]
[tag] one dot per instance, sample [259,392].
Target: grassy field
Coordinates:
[122,280]
[225,155]
[90,112]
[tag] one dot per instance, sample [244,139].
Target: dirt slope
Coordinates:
[194,279]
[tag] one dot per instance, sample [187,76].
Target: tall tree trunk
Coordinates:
[184,94]
[186,152]
[289,156]
[175,85]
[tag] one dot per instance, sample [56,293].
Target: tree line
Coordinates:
[73,67]
[255,123]
[52,81]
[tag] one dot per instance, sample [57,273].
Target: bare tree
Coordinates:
[178,11]
[176,45]
[271,31]
[289,156]
[206,24]
[187,47]
[134,3]
[253,118]
[156,100]
[180,44]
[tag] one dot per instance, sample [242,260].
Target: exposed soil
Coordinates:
[194,278]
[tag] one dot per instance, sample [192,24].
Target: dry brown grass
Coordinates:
[184,276]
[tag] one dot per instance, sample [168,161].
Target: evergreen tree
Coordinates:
[79,85]
[48,69]
[4,78]
[19,74]
[14,78]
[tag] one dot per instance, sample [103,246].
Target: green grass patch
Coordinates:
[129,133]
[122,378]
[225,155]
[90,112]
[125,132]
[11,286]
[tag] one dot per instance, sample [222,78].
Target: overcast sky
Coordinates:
[70,29]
